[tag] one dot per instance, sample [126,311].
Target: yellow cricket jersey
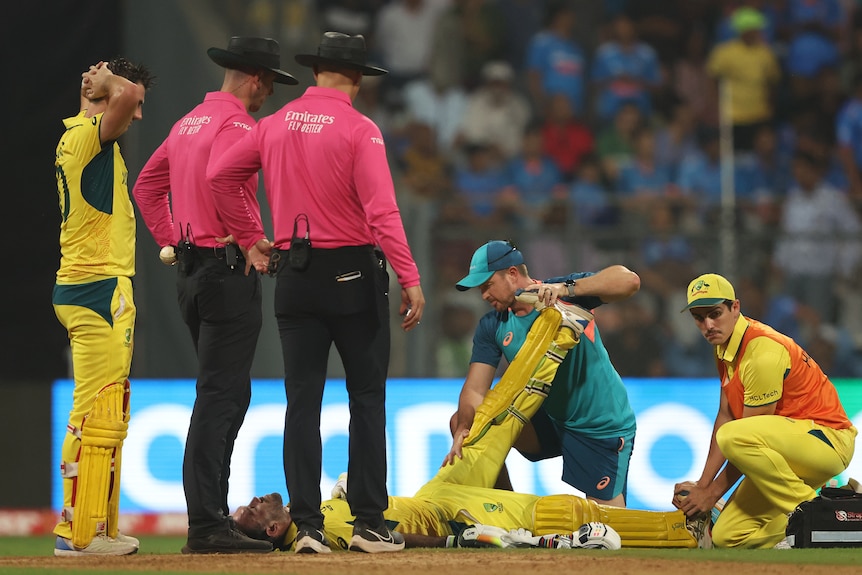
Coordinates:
[750,71]
[438,509]
[97,231]
[760,366]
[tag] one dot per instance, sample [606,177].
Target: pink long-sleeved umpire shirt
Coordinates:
[178,167]
[322,158]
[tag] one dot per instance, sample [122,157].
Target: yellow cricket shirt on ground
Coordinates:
[97,231]
[438,509]
[405,514]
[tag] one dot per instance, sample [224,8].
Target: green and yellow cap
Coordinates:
[708,290]
[745,19]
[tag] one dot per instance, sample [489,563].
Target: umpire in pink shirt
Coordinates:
[218,298]
[328,184]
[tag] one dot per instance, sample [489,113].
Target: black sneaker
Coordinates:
[309,540]
[379,539]
[230,541]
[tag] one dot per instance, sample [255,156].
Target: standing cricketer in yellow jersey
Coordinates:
[93,300]
[461,494]
[780,424]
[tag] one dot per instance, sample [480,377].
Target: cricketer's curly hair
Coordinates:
[137,73]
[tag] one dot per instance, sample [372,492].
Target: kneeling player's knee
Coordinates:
[727,437]
[724,536]
[719,536]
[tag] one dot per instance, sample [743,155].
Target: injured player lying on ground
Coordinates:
[459,503]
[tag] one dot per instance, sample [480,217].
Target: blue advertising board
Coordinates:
[674,417]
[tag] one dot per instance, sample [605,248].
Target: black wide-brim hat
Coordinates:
[341,50]
[251,52]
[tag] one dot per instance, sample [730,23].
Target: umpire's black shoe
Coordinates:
[230,541]
[378,539]
[310,540]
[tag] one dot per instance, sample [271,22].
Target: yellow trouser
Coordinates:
[783,465]
[463,490]
[510,404]
[101,355]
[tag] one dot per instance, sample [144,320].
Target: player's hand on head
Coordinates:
[94,81]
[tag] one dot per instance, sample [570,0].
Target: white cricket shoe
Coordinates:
[123,538]
[100,545]
[701,530]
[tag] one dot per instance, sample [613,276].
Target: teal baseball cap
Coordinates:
[494,256]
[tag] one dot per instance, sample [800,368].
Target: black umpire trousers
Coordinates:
[341,299]
[222,308]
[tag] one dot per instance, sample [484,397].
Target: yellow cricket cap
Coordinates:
[708,290]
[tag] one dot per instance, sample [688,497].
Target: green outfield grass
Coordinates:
[44,545]
[161,545]
[158,545]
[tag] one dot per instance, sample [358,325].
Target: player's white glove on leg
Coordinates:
[596,535]
[480,535]
[339,490]
[593,535]
[523,538]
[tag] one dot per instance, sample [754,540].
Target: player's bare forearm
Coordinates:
[414,540]
[614,283]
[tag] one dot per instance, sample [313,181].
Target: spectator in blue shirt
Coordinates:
[665,255]
[643,181]
[534,176]
[479,184]
[764,177]
[522,20]
[823,17]
[555,63]
[624,69]
[678,138]
[590,202]
[699,177]
[807,55]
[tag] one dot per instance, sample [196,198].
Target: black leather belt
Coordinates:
[213,252]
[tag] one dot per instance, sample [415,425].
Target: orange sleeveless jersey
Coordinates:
[807,392]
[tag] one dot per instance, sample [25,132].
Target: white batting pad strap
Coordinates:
[73,430]
[517,414]
[538,386]
[68,469]
[68,513]
[556,354]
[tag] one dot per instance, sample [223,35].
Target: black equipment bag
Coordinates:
[833,519]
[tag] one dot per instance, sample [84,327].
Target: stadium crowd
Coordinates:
[588,132]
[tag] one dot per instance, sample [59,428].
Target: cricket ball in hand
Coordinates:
[168,255]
